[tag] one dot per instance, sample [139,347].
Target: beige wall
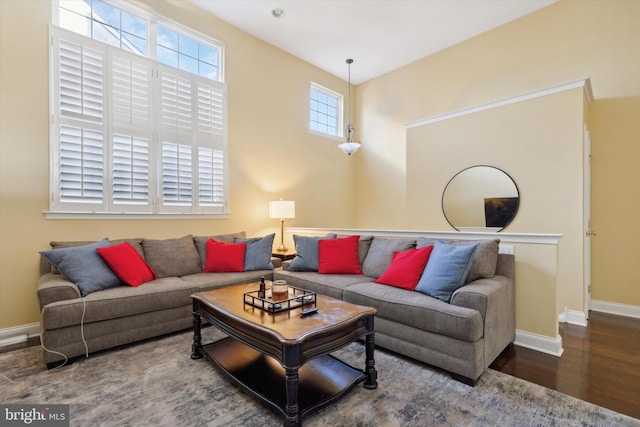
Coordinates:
[271,153]
[539,143]
[558,44]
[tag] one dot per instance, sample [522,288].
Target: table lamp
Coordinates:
[282,209]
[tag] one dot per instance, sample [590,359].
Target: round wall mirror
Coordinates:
[480,198]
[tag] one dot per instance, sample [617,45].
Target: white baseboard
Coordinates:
[18,334]
[616,308]
[539,343]
[574,317]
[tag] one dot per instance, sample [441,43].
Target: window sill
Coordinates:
[132,215]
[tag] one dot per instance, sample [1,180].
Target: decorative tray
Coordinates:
[297,298]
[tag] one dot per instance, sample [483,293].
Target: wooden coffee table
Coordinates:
[283,358]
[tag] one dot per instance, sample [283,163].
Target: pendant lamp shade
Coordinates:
[349,146]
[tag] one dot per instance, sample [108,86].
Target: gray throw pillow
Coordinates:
[136,243]
[364,243]
[83,266]
[485,258]
[307,252]
[380,253]
[59,245]
[201,243]
[446,270]
[257,255]
[172,257]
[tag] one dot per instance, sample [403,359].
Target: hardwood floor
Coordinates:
[600,363]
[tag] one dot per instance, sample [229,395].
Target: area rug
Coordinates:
[155,383]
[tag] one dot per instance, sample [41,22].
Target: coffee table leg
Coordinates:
[292,417]
[197,337]
[371,381]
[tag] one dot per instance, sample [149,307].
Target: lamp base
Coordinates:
[282,248]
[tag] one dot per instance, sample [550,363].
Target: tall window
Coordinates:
[134,131]
[325,110]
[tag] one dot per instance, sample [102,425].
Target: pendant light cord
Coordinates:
[350,128]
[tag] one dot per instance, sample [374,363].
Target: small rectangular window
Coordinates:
[325,111]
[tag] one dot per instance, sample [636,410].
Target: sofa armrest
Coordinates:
[277,262]
[494,298]
[53,287]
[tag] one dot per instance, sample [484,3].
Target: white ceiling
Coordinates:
[380,35]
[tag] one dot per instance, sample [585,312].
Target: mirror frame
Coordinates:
[516,208]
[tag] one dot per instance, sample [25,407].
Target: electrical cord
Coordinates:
[66,359]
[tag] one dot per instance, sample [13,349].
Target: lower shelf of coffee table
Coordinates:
[320,381]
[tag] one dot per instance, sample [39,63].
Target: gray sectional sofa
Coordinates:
[462,335]
[123,314]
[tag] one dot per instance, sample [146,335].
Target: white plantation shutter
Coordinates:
[130,135]
[81,74]
[177,172]
[130,170]
[176,102]
[192,113]
[81,165]
[210,177]
[131,78]
[79,126]
[210,106]
[131,93]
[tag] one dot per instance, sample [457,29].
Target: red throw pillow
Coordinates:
[222,256]
[406,268]
[339,256]
[127,264]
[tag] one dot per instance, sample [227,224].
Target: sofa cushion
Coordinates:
[406,268]
[332,285]
[258,252]
[485,258]
[172,257]
[446,270]
[339,256]
[201,243]
[380,253]
[206,281]
[417,310]
[127,264]
[83,266]
[122,301]
[306,258]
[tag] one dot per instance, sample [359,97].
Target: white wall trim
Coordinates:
[18,334]
[583,82]
[574,317]
[539,343]
[548,239]
[616,308]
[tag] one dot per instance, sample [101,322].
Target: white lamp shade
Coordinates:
[282,209]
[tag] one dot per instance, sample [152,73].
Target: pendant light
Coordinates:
[349,146]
